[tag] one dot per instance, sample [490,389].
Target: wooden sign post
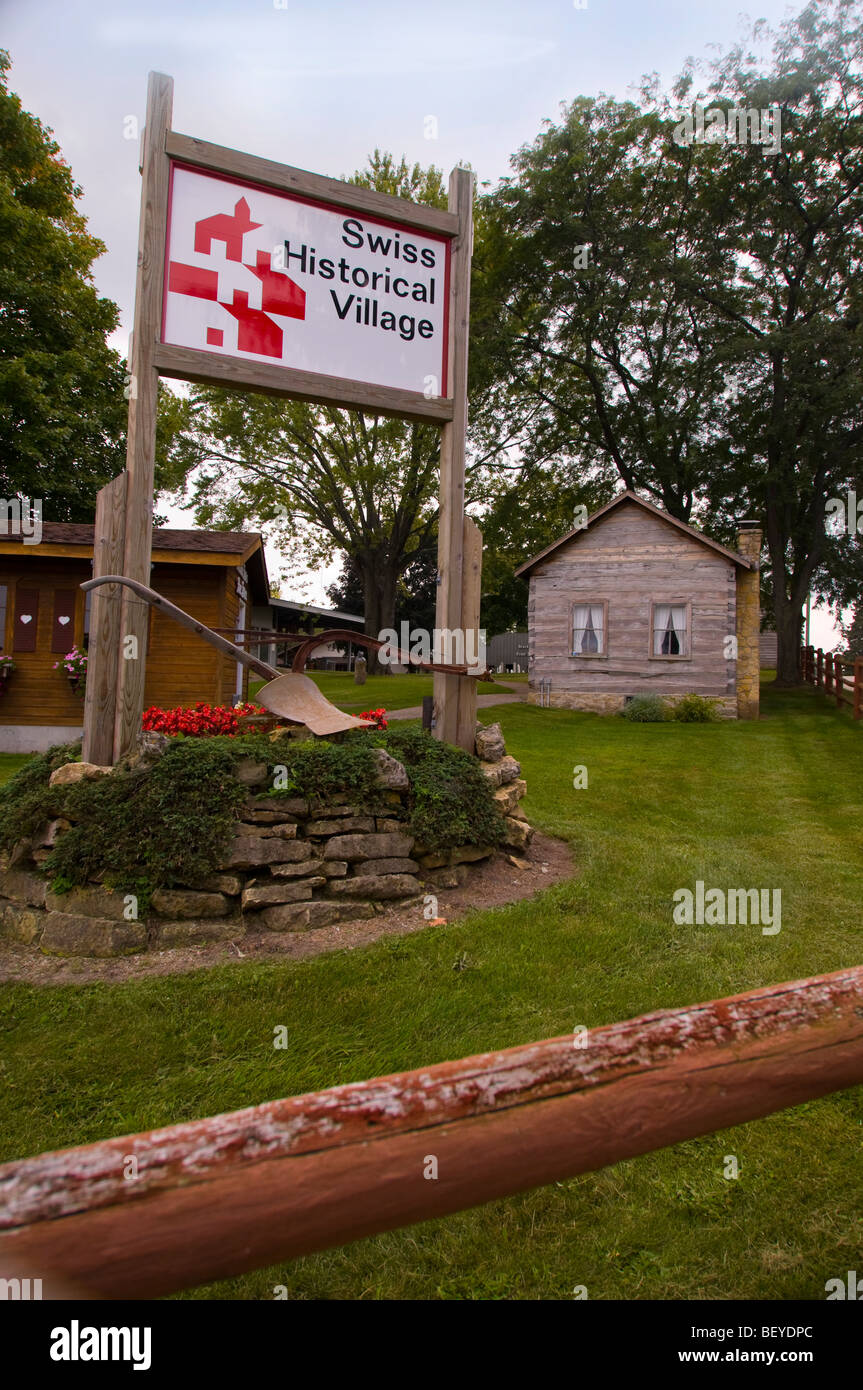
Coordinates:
[143,395]
[262,276]
[454,723]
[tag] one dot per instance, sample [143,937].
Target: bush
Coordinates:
[154,826]
[695,709]
[319,770]
[451,800]
[26,800]
[646,709]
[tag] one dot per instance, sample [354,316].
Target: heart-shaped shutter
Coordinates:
[26,606]
[63,629]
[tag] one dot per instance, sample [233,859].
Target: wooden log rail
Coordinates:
[826,671]
[216,1197]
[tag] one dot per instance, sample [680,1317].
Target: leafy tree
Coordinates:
[62,409]
[708,347]
[601,352]
[786,232]
[853,632]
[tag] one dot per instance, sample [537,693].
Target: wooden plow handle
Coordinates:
[186,620]
[263,668]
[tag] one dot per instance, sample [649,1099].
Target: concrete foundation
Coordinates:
[36,738]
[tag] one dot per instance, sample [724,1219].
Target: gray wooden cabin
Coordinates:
[637,603]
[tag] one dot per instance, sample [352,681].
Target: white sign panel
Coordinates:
[265,276]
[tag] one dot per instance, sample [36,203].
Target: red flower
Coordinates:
[377,716]
[204,721]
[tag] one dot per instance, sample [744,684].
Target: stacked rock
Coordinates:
[291,866]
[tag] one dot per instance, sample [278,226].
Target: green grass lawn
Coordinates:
[389,692]
[10,763]
[776,803]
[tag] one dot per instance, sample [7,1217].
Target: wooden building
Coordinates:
[507,651]
[214,575]
[637,603]
[293,616]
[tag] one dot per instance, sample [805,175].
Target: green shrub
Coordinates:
[451,800]
[319,769]
[646,709]
[27,801]
[169,822]
[695,709]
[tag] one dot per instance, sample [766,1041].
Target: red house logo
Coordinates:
[256,331]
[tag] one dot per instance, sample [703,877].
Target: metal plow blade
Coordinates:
[298,699]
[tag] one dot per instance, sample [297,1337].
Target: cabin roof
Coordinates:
[629,496]
[297,606]
[71,538]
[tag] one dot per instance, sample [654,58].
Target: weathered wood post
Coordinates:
[143,395]
[454,719]
[103,654]
[858,687]
[471,588]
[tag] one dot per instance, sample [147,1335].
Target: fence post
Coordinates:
[839,679]
[819,667]
[858,686]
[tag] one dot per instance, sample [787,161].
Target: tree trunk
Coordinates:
[789,635]
[379,589]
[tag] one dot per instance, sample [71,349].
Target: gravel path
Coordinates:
[483,702]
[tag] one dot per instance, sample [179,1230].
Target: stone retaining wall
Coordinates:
[292,866]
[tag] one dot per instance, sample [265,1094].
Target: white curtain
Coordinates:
[669,629]
[587,629]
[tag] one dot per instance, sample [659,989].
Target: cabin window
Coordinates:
[670,628]
[589,628]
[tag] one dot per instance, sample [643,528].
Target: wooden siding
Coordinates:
[37,694]
[181,668]
[632,560]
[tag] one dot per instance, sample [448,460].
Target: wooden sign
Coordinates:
[265,276]
[261,276]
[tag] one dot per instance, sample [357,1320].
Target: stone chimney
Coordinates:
[748,620]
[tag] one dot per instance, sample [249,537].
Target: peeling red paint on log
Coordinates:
[85,1179]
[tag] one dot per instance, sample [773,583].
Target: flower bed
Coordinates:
[204,721]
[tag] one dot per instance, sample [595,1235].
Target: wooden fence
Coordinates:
[840,677]
[152,1213]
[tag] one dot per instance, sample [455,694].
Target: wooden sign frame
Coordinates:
[150,358]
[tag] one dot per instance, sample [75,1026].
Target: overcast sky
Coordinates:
[321,83]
